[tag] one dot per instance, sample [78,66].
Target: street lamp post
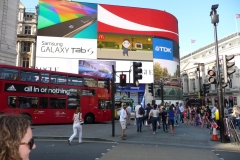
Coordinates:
[161,84]
[215,20]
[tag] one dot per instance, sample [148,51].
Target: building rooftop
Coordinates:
[210,45]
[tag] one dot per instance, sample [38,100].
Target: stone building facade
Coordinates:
[26,37]
[8,31]
[205,59]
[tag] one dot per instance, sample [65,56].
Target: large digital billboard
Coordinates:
[147,68]
[166,62]
[88,38]
[60,18]
[124,47]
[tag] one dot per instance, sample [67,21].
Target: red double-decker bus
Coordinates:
[50,97]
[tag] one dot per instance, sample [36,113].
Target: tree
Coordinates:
[165,72]
[158,71]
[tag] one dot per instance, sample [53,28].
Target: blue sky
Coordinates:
[193,17]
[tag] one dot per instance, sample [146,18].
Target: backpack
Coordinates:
[141,111]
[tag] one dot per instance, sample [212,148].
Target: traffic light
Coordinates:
[137,71]
[212,76]
[206,88]
[150,89]
[227,67]
[122,79]
[107,84]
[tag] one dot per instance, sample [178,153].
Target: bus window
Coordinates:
[104,104]
[75,81]
[27,102]
[58,103]
[58,79]
[12,101]
[45,77]
[29,76]
[100,84]
[7,73]
[90,82]
[43,102]
[88,92]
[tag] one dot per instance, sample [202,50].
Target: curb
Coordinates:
[62,137]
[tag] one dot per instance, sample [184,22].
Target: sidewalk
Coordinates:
[188,136]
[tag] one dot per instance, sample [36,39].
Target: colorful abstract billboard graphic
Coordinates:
[67,19]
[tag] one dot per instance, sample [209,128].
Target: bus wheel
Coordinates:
[89,119]
[28,116]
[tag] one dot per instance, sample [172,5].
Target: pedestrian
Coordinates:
[171,114]
[203,114]
[192,116]
[129,110]
[154,113]
[186,114]
[138,117]
[178,114]
[235,117]
[148,109]
[181,108]
[159,117]
[164,120]
[77,125]
[123,119]
[16,137]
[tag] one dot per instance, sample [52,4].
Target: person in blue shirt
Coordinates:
[171,114]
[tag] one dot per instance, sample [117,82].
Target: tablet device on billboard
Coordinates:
[68,28]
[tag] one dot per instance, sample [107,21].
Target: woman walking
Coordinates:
[77,121]
[186,114]
[154,113]
[171,114]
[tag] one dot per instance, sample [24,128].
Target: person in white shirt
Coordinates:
[138,117]
[213,112]
[77,121]
[123,119]
[129,110]
[181,107]
[155,115]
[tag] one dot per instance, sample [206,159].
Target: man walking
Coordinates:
[181,112]
[122,119]
[138,117]
[177,112]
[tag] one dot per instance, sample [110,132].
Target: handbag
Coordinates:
[81,121]
[151,114]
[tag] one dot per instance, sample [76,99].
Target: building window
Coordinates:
[26,46]
[27,30]
[25,62]
[28,17]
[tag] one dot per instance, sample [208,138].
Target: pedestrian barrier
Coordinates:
[214,133]
[234,138]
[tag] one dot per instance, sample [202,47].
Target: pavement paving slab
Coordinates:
[143,152]
[188,136]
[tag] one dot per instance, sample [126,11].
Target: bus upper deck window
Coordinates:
[8,73]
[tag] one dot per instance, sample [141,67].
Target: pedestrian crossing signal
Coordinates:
[123,80]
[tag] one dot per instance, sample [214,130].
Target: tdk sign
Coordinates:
[163,49]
